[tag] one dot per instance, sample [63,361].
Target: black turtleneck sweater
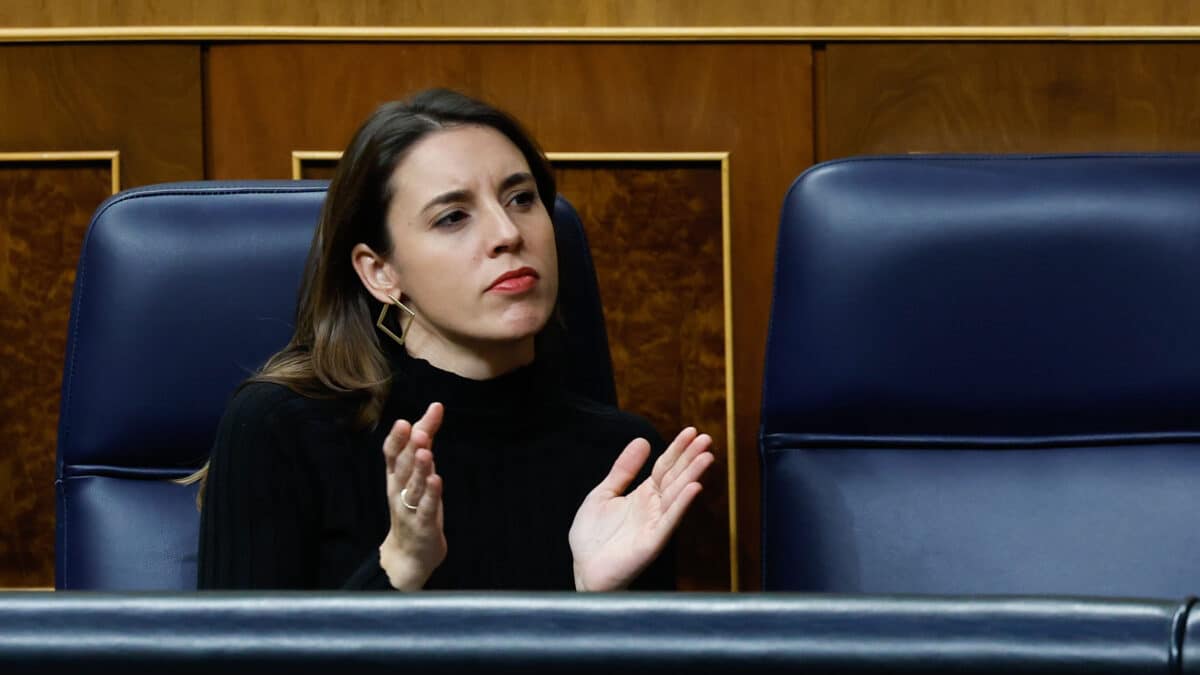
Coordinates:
[296,498]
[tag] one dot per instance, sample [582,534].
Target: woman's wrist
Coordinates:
[404,572]
[582,586]
[579,585]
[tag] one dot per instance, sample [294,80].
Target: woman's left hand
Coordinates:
[615,536]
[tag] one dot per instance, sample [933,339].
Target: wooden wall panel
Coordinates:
[1032,97]
[44,210]
[594,13]
[750,99]
[141,100]
[654,230]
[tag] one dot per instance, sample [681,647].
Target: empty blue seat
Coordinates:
[983,376]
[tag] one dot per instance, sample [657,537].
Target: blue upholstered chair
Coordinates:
[182,291]
[983,376]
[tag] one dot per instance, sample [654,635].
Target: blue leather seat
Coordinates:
[182,291]
[983,376]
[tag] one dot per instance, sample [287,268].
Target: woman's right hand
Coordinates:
[415,545]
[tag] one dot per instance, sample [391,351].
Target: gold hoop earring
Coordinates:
[403,329]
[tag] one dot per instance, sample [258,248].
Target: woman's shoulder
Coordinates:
[276,405]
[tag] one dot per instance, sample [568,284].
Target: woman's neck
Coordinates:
[482,360]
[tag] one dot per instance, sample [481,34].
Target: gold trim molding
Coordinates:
[299,157]
[721,158]
[599,34]
[113,157]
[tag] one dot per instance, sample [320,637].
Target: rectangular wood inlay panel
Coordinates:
[44,212]
[654,229]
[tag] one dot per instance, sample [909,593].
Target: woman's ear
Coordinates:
[376,273]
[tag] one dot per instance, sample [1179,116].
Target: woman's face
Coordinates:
[473,247]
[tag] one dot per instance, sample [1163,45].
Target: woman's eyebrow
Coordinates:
[515,180]
[447,198]
[464,195]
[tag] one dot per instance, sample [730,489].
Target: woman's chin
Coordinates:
[521,332]
[522,325]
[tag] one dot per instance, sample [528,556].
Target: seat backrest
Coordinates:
[182,291]
[983,376]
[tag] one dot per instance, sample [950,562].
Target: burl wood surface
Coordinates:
[655,234]
[44,211]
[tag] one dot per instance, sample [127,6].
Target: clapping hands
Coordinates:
[615,535]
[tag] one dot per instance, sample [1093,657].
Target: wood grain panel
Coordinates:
[655,234]
[143,100]
[1032,97]
[44,211]
[627,13]
[752,100]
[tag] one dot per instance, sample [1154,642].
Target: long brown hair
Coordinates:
[335,350]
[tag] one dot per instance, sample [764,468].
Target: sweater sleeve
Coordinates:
[258,525]
[370,576]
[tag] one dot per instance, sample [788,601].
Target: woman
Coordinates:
[409,436]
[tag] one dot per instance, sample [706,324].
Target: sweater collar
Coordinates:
[515,395]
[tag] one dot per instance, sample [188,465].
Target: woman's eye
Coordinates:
[450,219]
[523,198]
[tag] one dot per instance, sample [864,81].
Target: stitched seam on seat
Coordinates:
[126,472]
[223,191]
[141,193]
[967,157]
[196,192]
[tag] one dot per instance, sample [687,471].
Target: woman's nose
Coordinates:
[504,233]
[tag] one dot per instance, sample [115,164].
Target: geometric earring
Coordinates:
[403,329]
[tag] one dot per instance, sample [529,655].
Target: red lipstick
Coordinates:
[515,281]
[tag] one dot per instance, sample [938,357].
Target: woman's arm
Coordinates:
[259,524]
